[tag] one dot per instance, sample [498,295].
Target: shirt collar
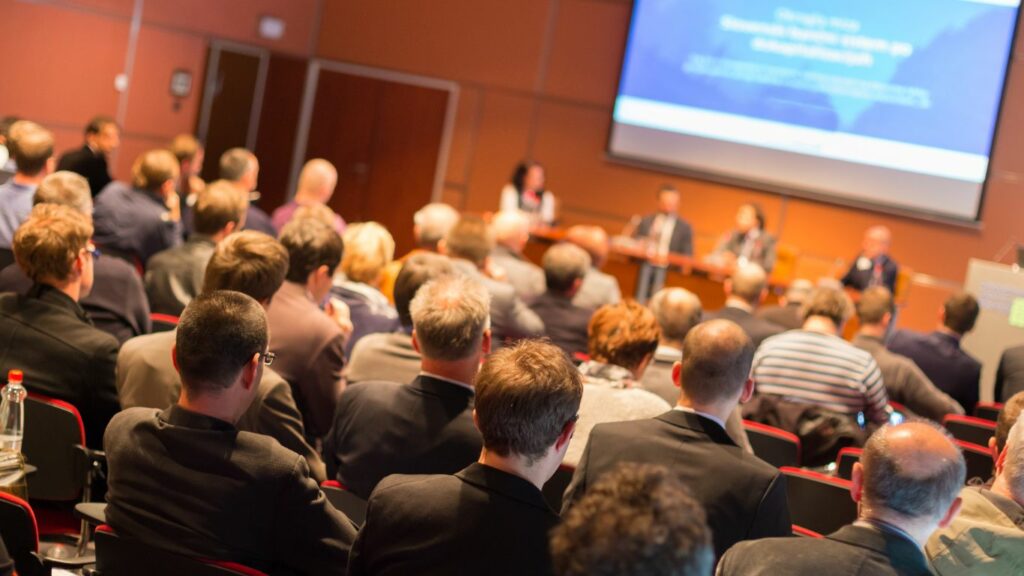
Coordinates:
[883,526]
[448,380]
[714,419]
[739,303]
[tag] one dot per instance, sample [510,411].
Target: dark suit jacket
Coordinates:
[197,486]
[850,551]
[175,276]
[133,224]
[369,310]
[860,279]
[787,316]
[762,255]
[682,234]
[92,165]
[389,357]
[564,322]
[258,220]
[745,498]
[940,358]
[47,335]
[758,329]
[383,428]
[1010,375]
[479,521]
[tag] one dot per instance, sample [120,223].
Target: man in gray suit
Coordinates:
[598,288]
[511,233]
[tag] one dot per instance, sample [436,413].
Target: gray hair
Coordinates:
[748,281]
[67,189]
[449,317]
[799,290]
[235,163]
[1013,468]
[677,311]
[433,222]
[564,264]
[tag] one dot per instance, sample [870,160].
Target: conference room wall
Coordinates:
[538,80]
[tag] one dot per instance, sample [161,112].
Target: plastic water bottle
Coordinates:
[12,412]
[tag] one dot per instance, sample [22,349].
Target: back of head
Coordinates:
[470,239]
[798,291]
[369,248]
[961,312]
[913,470]
[317,212]
[1013,466]
[1008,416]
[622,334]
[432,223]
[31,146]
[47,243]
[564,264]
[67,189]
[525,396]
[511,228]
[636,520]
[153,168]
[184,147]
[677,311]
[827,302]
[417,271]
[874,304]
[216,206]
[97,123]
[249,262]
[748,281]
[5,127]
[218,334]
[235,163]
[317,180]
[593,239]
[717,356]
[449,316]
[310,245]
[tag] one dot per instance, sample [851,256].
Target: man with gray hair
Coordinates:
[565,323]
[241,169]
[511,230]
[787,312]
[426,426]
[429,225]
[744,292]
[905,485]
[599,288]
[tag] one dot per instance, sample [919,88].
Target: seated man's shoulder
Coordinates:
[371,392]
[147,348]
[400,486]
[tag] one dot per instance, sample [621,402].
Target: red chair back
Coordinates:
[345,502]
[804,532]
[978,459]
[163,322]
[52,430]
[818,502]
[988,410]
[845,460]
[773,445]
[21,534]
[969,428]
[116,556]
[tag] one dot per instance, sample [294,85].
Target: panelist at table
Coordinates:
[873,266]
[748,242]
[665,232]
[526,192]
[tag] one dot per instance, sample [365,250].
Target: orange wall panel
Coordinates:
[460,154]
[501,141]
[122,8]
[588,35]
[151,108]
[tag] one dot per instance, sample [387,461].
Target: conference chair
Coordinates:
[555,488]
[988,410]
[116,556]
[163,322]
[978,460]
[345,502]
[969,429]
[845,460]
[773,445]
[804,532]
[818,502]
[21,538]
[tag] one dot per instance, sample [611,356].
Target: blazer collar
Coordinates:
[56,298]
[901,552]
[438,387]
[177,416]
[699,424]
[509,485]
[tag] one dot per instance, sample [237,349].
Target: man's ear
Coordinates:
[485,342]
[442,247]
[229,228]
[416,343]
[727,287]
[476,420]
[857,482]
[992,449]
[954,509]
[51,165]
[250,372]
[567,431]
[174,358]
[1000,457]
[748,391]
[677,373]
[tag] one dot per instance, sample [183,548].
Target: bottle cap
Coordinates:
[15,376]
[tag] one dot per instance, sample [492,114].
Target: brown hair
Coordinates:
[310,244]
[216,206]
[874,304]
[525,395]
[249,262]
[828,302]
[184,147]
[622,334]
[217,336]
[470,239]
[961,312]
[47,243]
[1008,415]
[31,146]
[419,269]
[153,168]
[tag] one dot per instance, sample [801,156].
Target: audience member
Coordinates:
[664,232]
[241,168]
[621,341]
[392,356]
[136,221]
[511,233]
[7,165]
[787,312]
[234,495]
[255,265]
[32,150]
[814,365]
[190,155]
[636,520]
[677,311]
[45,333]
[175,276]
[426,426]
[316,186]
[598,287]
[430,225]
[905,485]
[369,248]
[904,381]
[565,265]
[939,355]
[873,266]
[745,498]
[1007,417]
[745,289]
[1009,374]
[526,191]
[492,513]
[310,342]
[117,303]
[469,244]
[749,241]
[102,137]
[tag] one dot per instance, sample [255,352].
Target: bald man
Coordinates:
[744,496]
[511,230]
[316,186]
[744,292]
[598,288]
[906,486]
[873,266]
[787,312]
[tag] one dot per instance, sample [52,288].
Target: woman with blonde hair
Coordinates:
[369,248]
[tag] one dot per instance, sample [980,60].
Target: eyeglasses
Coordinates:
[268,358]
[93,250]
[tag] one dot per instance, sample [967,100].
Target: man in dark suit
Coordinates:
[45,333]
[906,484]
[425,427]
[787,312]
[939,355]
[873,266]
[185,479]
[744,496]
[744,292]
[665,233]
[511,233]
[491,516]
[102,137]
[1010,374]
[565,323]
[240,168]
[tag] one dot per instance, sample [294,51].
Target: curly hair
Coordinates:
[622,334]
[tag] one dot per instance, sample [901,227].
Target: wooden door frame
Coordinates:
[209,87]
[309,100]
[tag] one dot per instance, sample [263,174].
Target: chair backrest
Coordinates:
[969,428]
[6,254]
[116,556]
[978,459]
[988,410]
[163,322]
[52,429]
[773,445]
[818,502]
[845,460]
[804,532]
[554,488]
[21,533]
[344,501]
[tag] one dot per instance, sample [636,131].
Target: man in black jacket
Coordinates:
[565,323]
[744,292]
[102,137]
[665,232]
[873,266]
[745,497]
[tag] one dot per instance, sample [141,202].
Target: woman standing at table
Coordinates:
[748,242]
[526,192]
